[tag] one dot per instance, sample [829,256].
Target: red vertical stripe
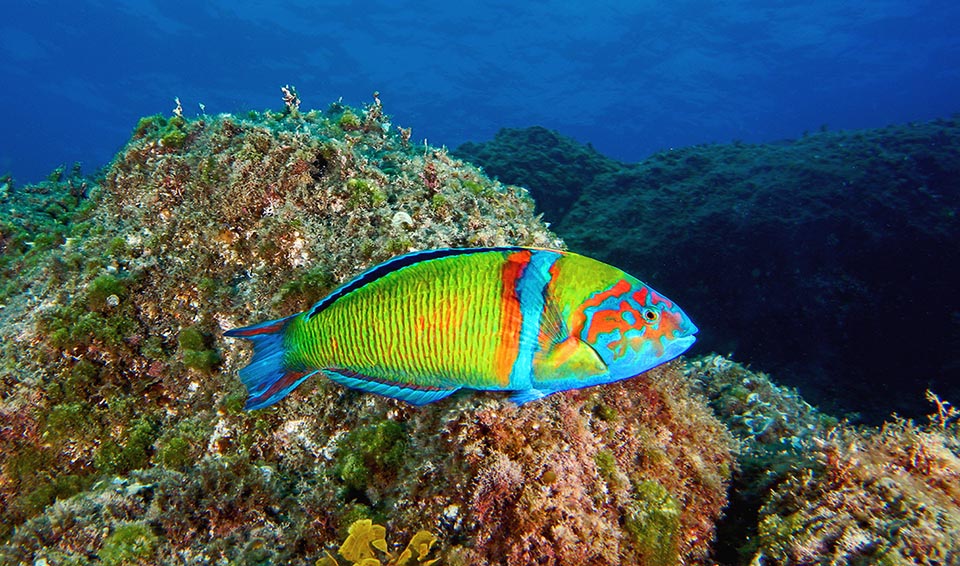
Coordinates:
[511,317]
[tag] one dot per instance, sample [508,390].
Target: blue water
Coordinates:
[628,77]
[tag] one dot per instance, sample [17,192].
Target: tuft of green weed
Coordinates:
[131,543]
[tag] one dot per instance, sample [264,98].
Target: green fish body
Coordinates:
[424,325]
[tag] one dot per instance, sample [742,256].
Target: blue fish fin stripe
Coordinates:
[394,264]
[527,395]
[531,292]
[266,377]
[415,395]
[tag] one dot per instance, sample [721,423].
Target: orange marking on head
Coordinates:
[510,315]
[640,296]
[579,318]
[608,320]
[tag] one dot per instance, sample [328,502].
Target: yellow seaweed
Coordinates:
[362,535]
[421,543]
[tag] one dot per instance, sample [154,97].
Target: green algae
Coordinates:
[181,446]
[364,192]
[653,521]
[169,133]
[129,544]
[605,412]
[368,450]
[651,517]
[69,419]
[175,453]
[606,465]
[192,338]
[69,327]
[101,289]
[196,350]
[149,125]
[348,121]
[131,452]
[74,383]
[233,402]
[308,287]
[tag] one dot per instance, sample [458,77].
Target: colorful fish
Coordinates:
[426,324]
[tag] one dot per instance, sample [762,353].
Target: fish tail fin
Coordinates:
[267,377]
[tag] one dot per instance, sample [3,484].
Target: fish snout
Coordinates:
[687,327]
[681,323]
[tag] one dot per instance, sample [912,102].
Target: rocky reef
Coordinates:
[122,434]
[810,489]
[819,259]
[887,496]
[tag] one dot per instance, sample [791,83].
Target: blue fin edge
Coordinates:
[411,394]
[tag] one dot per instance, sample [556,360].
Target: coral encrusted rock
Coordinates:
[122,434]
[882,496]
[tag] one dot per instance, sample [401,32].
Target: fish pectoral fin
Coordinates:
[413,394]
[526,395]
[570,357]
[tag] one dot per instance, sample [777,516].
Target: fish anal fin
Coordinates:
[413,394]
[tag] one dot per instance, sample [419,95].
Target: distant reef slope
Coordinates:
[122,434]
[830,260]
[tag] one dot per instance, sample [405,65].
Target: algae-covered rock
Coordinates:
[882,496]
[809,489]
[820,259]
[122,437]
[495,483]
[778,435]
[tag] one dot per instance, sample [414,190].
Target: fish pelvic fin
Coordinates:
[267,377]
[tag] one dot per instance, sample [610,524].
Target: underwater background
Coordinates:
[630,78]
[789,174]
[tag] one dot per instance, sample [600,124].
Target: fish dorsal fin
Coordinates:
[394,264]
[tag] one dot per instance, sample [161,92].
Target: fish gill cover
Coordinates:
[122,434]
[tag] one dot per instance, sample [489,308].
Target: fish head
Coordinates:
[633,328]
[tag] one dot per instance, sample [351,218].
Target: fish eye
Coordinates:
[651,315]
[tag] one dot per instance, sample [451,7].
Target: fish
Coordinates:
[424,325]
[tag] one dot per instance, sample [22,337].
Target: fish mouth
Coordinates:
[679,345]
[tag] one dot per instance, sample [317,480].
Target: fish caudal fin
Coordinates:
[266,376]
